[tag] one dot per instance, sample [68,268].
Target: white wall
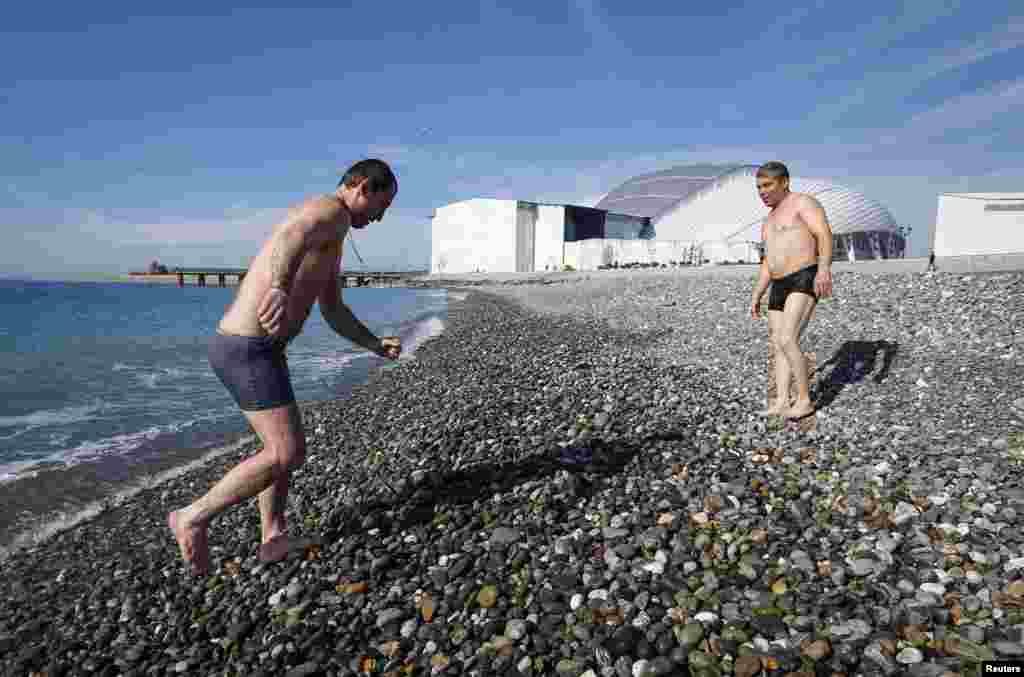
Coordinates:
[548,238]
[474,235]
[727,215]
[715,213]
[964,228]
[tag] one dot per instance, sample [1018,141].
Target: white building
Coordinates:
[979,224]
[716,209]
[686,214]
[502,236]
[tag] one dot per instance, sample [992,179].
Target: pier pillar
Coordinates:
[181,279]
[202,279]
[222,279]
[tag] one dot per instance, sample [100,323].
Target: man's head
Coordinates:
[772,183]
[367,190]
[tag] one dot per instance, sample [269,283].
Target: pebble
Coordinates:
[862,567]
[909,656]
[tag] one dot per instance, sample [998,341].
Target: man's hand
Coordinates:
[823,284]
[273,311]
[390,347]
[755,309]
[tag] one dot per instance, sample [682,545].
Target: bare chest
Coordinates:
[783,224]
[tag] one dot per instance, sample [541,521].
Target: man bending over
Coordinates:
[797,262]
[297,266]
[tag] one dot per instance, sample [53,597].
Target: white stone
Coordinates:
[655,567]
[910,656]
[515,629]
[642,668]
[576,602]
[904,513]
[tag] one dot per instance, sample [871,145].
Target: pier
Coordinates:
[348,278]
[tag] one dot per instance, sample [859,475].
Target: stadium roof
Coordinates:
[652,194]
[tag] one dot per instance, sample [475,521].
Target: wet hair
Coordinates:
[773,170]
[376,171]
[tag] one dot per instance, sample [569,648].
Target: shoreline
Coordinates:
[579,467]
[31,513]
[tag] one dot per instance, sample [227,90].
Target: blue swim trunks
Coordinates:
[254,369]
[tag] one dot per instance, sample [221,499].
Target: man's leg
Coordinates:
[280,429]
[795,317]
[780,403]
[273,500]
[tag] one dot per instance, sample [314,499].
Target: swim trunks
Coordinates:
[801,281]
[254,369]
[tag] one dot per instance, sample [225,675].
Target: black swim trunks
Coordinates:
[801,281]
[254,369]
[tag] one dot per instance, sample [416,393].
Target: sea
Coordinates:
[104,383]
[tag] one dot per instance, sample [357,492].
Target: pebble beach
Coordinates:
[572,479]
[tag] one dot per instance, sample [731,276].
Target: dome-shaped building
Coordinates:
[713,213]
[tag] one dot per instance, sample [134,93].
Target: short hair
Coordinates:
[773,170]
[376,171]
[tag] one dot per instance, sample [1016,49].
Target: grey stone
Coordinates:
[505,536]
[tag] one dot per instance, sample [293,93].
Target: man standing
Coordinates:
[797,262]
[297,266]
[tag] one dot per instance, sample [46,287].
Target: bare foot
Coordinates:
[777,409]
[275,549]
[280,546]
[800,409]
[192,542]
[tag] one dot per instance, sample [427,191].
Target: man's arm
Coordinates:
[340,317]
[764,277]
[813,215]
[763,280]
[309,227]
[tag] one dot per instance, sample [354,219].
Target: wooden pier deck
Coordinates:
[349,278]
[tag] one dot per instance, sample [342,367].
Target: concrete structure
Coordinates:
[716,209]
[503,236]
[689,215]
[979,224]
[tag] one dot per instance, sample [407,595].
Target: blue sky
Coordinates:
[183,135]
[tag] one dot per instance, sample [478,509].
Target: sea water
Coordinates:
[118,372]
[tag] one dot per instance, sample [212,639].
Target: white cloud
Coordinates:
[868,39]
[918,68]
[967,111]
